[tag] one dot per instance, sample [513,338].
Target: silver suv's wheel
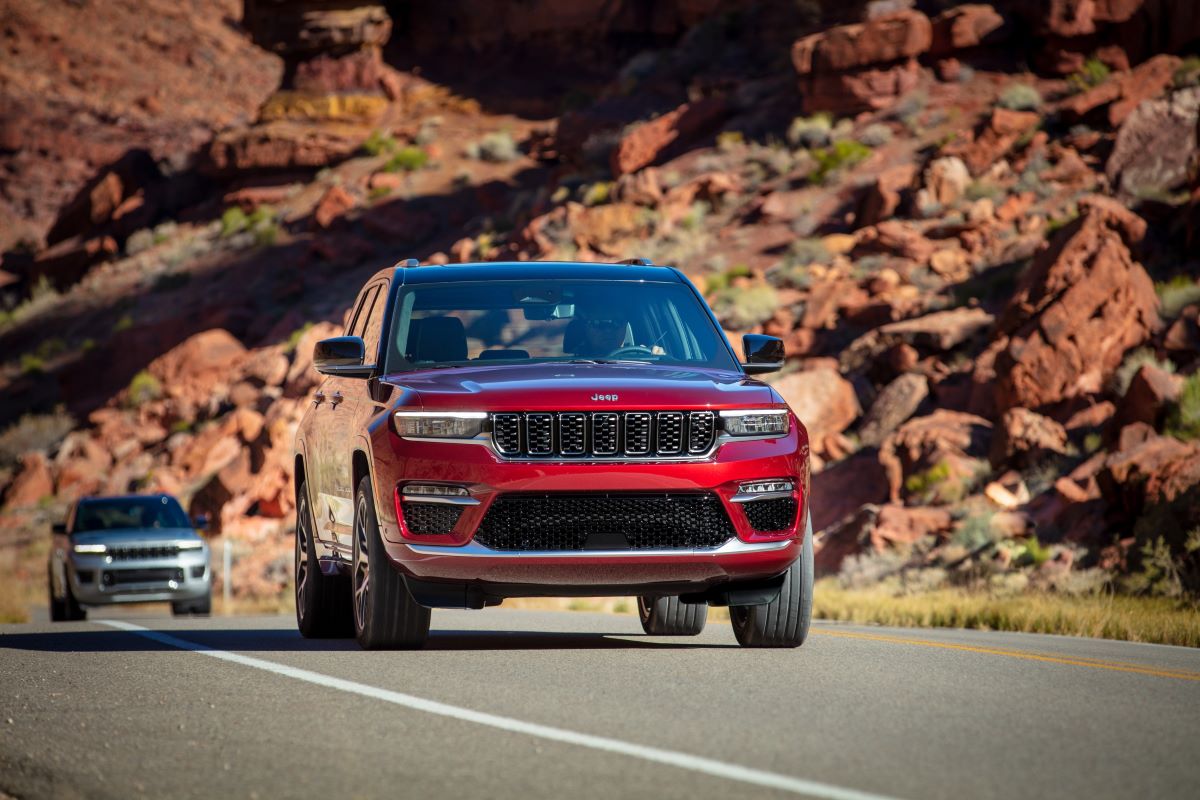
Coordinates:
[784,621]
[669,616]
[385,614]
[322,601]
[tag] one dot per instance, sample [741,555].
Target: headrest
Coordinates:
[438,339]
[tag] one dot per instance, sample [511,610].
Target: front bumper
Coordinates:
[455,557]
[97,580]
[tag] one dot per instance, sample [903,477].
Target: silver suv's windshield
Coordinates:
[493,322]
[120,513]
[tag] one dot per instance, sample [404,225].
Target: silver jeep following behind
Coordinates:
[133,549]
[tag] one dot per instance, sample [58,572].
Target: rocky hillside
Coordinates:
[971,223]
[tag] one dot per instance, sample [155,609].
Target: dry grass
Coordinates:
[1135,619]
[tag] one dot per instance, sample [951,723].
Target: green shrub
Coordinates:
[840,155]
[407,159]
[1020,97]
[811,131]
[741,308]
[875,135]
[1092,443]
[379,143]
[124,323]
[974,531]
[496,147]
[598,193]
[979,189]
[234,220]
[32,364]
[1183,420]
[804,252]
[1187,74]
[293,340]
[728,141]
[722,280]
[1093,73]
[922,483]
[34,432]
[1177,294]
[142,389]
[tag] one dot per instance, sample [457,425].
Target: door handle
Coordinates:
[318,398]
[336,398]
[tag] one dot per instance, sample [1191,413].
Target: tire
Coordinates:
[668,616]
[75,612]
[322,601]
[201,607]
[783,622]
[386,617]
[58,608]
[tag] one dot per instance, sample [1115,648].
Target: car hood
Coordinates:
[581,387]
[131,536]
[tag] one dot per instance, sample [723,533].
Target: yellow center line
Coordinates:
[1115,666]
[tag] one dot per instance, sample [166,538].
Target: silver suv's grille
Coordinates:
[604,434]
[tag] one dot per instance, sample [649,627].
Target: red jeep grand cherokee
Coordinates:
[548,429]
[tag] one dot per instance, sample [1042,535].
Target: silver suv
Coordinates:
[133,549]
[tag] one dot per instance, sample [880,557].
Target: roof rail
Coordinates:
[407,262]
[637,262]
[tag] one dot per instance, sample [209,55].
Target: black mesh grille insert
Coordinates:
[506,432]
[147,551]
[118,577]
[605,521]
[771,515]
[604,434]
[431,518]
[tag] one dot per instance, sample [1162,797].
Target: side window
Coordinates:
[374,325]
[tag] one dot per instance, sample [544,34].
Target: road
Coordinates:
[522,704]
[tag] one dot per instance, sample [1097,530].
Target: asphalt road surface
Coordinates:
[520,704]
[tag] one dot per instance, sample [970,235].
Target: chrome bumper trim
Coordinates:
[471,549]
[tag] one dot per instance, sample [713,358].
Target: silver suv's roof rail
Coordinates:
[637,262]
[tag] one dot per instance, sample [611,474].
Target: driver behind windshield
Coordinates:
[603,331]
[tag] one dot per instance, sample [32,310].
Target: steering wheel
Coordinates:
[631,350]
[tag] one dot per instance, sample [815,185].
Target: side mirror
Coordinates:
[59,528]
[763,353]
[342,356]
[200,522]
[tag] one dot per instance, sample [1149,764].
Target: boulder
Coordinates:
[651,141]
[903,525]
[893,37]
[301,377]
[843,488]
[82,465]
[966,26]
[1149,470]
[945,181]
[994,139]
[867,89]
[823,400]
[898,401]
[33,482]
[883,197]
[1124,92]
[198,369]
[1151,393]
[1024,437]
[281,145]
[936,455]
[1079,307]
[1156,145]
[642,188]
[940,332]
[335,202]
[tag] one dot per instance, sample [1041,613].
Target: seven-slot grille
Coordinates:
[604,434]
[143,551]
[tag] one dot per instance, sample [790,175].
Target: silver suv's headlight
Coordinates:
[439,424]
[762,422]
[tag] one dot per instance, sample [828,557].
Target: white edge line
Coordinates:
[707,766]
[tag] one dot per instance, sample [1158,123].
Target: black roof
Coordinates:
[534,270]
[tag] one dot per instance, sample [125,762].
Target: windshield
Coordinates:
[130,512]
[496,322]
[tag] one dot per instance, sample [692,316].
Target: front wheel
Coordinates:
[785,620]
[386,616]
[670,616]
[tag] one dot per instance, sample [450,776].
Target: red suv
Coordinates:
[548,429]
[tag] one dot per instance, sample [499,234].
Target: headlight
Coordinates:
[190,545]
[440,424]
[90,549]
[756,422]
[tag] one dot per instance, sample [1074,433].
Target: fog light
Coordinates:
[84,575]
[765,487]
[106,578]
[433,490]
[198,572]
[178,574]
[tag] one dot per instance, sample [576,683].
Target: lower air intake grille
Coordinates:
[771,515]
[605,521]
[430,518]
[119,577]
